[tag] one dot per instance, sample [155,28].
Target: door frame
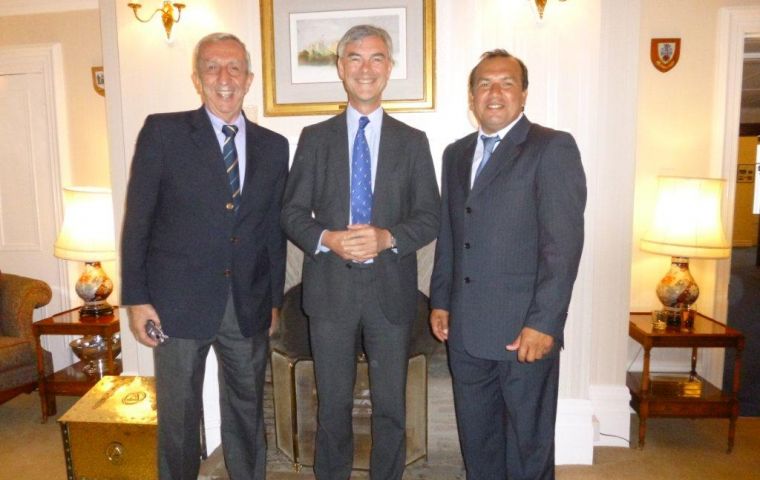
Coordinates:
[47,60]
[734,25]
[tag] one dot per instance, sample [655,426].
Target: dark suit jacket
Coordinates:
[405,201]
[508,251]
[182,248]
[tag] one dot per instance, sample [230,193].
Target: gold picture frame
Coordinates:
[294,83]
[99,81]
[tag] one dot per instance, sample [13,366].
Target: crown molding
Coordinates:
[30,7]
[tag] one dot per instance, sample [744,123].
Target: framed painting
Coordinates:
[299,39]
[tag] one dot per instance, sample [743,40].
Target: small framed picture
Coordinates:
[99,81]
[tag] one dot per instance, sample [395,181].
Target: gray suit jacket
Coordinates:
[182,249]
[508,251]
[405,201]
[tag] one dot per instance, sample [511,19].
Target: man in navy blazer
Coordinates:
[360,272]
[507,256]
[203,256]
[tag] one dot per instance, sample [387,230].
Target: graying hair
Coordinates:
[218,37]
[359,32]
[499,53]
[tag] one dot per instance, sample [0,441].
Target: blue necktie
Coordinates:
[488,144]
[361,177]
[229,152]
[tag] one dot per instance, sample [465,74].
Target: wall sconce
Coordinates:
[167,14]
[541,5]
[687,223]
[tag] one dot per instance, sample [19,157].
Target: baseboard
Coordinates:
[612,414]
[574,435]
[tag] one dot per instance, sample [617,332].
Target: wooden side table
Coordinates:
[72,380]
[688,399]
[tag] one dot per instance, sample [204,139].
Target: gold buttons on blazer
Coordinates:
[230,206]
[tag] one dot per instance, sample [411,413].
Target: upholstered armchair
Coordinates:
[19,296]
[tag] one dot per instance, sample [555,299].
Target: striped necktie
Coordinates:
[229,152]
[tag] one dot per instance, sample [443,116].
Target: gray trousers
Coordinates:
[333,349]
[506,413]
[179,367]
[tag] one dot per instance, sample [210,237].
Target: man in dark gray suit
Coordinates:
[203,256]
[360,200]
[506,259]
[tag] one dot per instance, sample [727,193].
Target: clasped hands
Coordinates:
[530,344]
[359,243]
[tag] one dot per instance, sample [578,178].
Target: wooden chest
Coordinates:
[110,433]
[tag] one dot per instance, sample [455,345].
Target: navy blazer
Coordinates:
[405,201]
[508,250]
[183,249]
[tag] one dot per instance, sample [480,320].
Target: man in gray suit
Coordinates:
[506,259]
[360,200]
[203,256]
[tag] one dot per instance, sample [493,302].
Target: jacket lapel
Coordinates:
[203,136]
[389,154]
[337,157]
[464,165]
[254,163]
[504,156]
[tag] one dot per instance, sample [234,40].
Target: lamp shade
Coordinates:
[87,233]
[687,219]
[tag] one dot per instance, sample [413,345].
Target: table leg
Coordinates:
[734,392]
[644,404]
[41,387]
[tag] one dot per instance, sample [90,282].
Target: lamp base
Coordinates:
[94,287]
[677,290]
[96,309]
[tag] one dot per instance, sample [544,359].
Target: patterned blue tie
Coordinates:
[488,144]
[229,152]
[361,177]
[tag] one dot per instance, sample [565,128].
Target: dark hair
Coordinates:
[499,53]
[358,32]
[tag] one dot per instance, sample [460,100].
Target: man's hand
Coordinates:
[359,243]
[138,317]
[365,241]
[275,321]
[439,323]
[531,345]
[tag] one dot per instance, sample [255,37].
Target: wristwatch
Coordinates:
[393,242]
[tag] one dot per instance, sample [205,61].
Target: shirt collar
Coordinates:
[353,115]
[504,131]
[218,123]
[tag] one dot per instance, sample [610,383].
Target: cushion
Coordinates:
[16,352]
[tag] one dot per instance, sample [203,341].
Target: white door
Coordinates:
[29,184]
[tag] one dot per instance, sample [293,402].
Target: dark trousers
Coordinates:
[333,349]
[506,412]
[179,368]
